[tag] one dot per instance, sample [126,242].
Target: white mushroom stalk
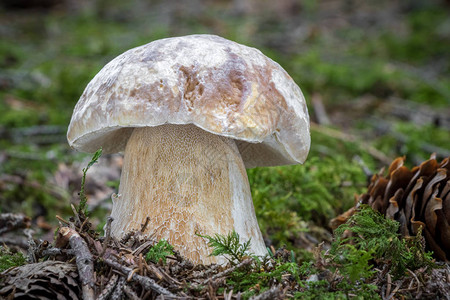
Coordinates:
[191,113]
[187,181]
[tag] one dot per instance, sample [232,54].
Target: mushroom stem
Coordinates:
[187,181]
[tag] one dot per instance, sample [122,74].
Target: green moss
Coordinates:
[375,237]
[10,259]
[288,197]
[414,141]
[159,252]
[321,290]
[259,276]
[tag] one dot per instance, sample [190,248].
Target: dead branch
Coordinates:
[109,287]
[147,283]
[118,291]
[16,241]
[9,222]
[416,113]
[228,271]
[385,127]
[319,110]
[84,260]
[32,247]
[109,220]
[130,293]
[144,226]
[274,293]
[52,252]
[380,156]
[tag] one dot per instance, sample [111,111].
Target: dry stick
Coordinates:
[389,284]
[127,237]
[107,234]
[161,273]
[17,241]
[385,127]
[144,226]
[130,293]
[62,220]
[143,247]
[82,224]
[391,295]
[52,252]
[273,293]
[10,222]
[146,282]
[319,110]
[204,273]
[84,260]
[32,247]
[227,296]
[109,287]
[118,291]
[353,139]
[228,271]
[415,277]
[75,213]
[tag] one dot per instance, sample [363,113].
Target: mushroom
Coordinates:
[191,113]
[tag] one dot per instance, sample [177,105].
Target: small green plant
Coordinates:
[159,252]
[229,246]
[263,273]
[373,237]
[356,263]
[9,259]
[321,290]
[288,199]
[83,199]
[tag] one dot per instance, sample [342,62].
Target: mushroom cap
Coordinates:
[218,85]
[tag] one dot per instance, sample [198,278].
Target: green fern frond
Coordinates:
[159,252]
[229,246]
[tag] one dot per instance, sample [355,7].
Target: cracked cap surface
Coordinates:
[218,85]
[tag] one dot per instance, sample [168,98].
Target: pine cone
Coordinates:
[416,198]
[43,280]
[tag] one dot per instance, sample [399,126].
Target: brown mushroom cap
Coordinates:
[218,85]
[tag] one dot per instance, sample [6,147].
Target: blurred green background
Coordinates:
[375,75]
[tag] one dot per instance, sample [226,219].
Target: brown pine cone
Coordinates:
[417,197]
[43,280]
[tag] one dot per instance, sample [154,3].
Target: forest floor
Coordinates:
[376,80]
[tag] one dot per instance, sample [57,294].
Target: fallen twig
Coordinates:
[32,247]
[20,242]
[10,222]
[130,293]
[52,252]
[107,234]
[353,139]
[118,291]
[144,226]
[415,277]
[274,293]
[319,110]
[84,260]
[228,271]
[109,287]
[147,283]
[62,220]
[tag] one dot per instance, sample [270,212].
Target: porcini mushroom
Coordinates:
[191,113]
